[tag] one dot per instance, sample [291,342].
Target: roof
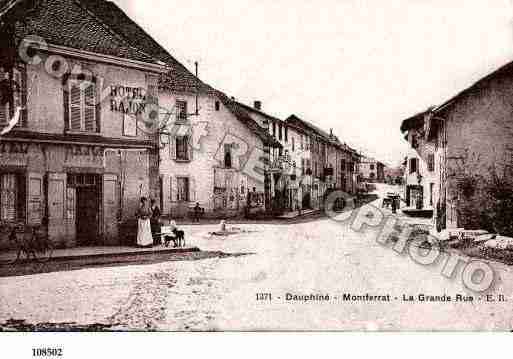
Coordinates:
[179,77]
[68,23]
[259,112]
[331,139]
[242,115]
[417,120]
[320,132]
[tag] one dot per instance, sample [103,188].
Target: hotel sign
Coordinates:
[128,100]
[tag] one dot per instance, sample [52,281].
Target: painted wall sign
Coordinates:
[14,147]
[128,100]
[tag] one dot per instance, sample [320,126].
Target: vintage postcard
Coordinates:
[334,165]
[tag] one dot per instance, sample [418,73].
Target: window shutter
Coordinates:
[189,148]
[89,108]
[8,197]
[17,93]
[192,189]
[34,198]
[4,109]
[4,114]
[173,187]
[172,146]
[75,107]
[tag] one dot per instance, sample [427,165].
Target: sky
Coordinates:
[359,67]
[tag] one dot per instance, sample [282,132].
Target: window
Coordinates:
[81,101]
[274,129]
[413,165]
[280,132]
[228,155]
[217,106]
[371,167]
[414,141]
[182,193]
[343,165]
[182,148]
[431,187]
[286,133]
[431,162]
[13,86]
[129,125]
[372,175]
[293,144]
[181,110]
[301,145]
[12,197]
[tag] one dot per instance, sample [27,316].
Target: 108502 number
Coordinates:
[47,352]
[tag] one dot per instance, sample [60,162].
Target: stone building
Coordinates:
[420,176]
[470,137]
[212,153]
[371,170]
[331,163]
[82,151]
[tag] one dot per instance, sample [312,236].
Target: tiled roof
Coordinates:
[417,120]
[68,23]
[320,132]
[100,26]
[179,77]
[259,112]
[241,113]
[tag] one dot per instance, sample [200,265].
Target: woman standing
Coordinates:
[144,237]
[155,222]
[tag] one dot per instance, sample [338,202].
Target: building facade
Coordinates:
[79,154]
[212,154]
[470,138]
[371,170]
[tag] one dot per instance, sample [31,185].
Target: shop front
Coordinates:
[73,191]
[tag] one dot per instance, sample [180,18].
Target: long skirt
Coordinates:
[144,237]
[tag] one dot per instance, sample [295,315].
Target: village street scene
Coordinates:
[135,195]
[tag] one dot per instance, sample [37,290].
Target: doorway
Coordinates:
[87,188]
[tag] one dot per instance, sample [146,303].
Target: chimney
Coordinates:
[331,132]
[257,105]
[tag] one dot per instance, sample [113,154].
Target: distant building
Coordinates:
[212,156]
[371,170]
[394,175]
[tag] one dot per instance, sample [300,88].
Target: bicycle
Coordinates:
[32,243]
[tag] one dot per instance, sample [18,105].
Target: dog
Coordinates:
[178,239]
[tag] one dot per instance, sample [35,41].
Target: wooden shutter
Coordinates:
[173,188]
[4,109]
[172,146]
[192,189]
[75,106]
[19,76]
[189,147]
[4,114]
[34,198]
[89,107]
[8,196]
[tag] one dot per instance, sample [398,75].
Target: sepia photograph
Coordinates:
[255,166]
